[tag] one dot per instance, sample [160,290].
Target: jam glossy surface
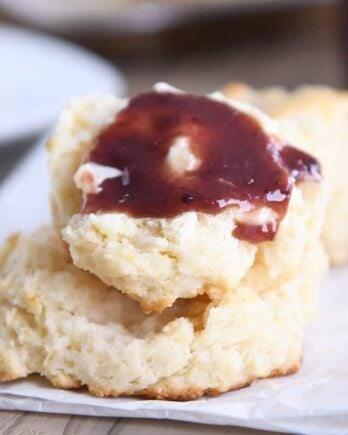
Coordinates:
[240,165]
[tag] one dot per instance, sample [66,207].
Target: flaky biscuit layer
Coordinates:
[68,326]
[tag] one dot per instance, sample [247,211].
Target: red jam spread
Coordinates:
[240,164]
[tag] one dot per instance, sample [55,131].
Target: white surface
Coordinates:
[313,401]
[39,74]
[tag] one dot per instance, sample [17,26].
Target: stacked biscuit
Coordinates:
[164,307]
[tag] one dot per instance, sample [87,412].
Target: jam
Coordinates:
[240,165]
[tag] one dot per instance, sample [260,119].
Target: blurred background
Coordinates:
[197,45]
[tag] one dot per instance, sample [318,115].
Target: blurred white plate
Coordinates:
[39,74]
[115,17]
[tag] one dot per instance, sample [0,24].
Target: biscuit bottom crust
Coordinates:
[68,326]
[183,395]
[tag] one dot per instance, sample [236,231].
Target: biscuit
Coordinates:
[159,260]
[321,115]
[66,325]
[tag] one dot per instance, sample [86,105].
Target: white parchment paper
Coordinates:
[313,401]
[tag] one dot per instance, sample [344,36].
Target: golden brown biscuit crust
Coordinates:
[190,393]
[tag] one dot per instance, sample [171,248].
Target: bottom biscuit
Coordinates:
[66,325]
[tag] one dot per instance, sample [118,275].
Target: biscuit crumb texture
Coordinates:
[157,261]
[68,326]
[320,114]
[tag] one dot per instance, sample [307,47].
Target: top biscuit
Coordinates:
[169,196]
